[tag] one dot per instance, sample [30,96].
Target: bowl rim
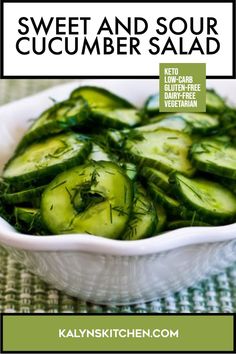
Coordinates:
[167,241]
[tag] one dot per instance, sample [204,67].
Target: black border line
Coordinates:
[119,1]
[234,339]
[2,76]
[2,40]
[233,315]
[234,37]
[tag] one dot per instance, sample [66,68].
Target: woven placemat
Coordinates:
[20,291]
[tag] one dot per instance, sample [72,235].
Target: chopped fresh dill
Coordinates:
[110,213]
[57,185]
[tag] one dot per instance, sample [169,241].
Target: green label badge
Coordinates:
[117,333]
[182,87]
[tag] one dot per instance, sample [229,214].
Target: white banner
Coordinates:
[115,39]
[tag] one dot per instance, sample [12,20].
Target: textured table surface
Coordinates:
[21,291]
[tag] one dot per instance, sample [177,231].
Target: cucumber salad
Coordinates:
[95,164]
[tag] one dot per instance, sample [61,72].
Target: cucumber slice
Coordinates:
[28,220]
[143,218]
[121,146]
[228,122]
[130,169]
[159,178]
[23,196]
[200,122]
[47,158]
[62,116]
[172,123]
[99,154]
[214,103]
[186,122]
[215,156]
[161,218]
[210,199]
[115,138]
[178,224]
[163,149]
[160,197]
[116,118]
[99,97]
[25,214]
[157,118]
[152,106]
[95,198]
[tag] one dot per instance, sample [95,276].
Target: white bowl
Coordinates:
[109,271]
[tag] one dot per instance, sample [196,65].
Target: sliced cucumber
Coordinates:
[47,158]
[228,122]
[95,198]
[130,169]
[99,154]
[163,149]
[215,156]
[177,224]
[25,214]
[115,138]
[24,196]
[116,118]
[200,122]
[159,178]
[152,105]
[157,118]
[28,220]
[143,218]
[48,186]
[160,197]
[186,122]
[56,119]
[214,103]
[172,122]
[99,97]
[210,199]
